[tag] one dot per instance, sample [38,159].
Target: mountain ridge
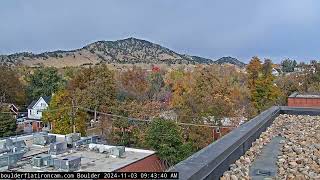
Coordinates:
[128,50]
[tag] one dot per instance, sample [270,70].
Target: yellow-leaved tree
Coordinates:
[60,114]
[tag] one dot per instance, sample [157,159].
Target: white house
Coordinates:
[37,106]
[33,122]
[275,72]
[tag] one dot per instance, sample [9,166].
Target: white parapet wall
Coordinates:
[104,148]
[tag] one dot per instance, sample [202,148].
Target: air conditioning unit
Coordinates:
[43,160]
[43,138]
[10,159]
[73,137]
[117,151]
[94,139]
[57,148]
[68,164]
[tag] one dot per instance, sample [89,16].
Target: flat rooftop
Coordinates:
[91,161]
[289,148]
[304,95]
[281,142]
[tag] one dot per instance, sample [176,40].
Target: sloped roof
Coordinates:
[47,99]
[32,104]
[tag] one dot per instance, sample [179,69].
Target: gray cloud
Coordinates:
[274,29]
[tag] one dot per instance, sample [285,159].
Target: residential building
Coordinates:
[227,125]
[275,72]
[33,122]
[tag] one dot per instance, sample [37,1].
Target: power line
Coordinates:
[150,110]
[51,110]
[143,120]
[125,117]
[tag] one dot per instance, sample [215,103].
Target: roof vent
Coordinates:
[117,151]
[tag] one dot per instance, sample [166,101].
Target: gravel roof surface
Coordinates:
[299,156]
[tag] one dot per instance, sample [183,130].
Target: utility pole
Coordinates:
[73,113]
[95,114]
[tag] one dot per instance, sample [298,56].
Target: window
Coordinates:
[217,130]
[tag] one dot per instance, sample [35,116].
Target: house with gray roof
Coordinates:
[35,109]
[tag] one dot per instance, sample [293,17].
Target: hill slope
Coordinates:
[126,51]
[230,60]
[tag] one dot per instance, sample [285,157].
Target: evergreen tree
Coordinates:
[288,65]
[264,92]
[43,82]
[165,137]
[7,123]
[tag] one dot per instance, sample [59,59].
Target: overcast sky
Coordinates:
[274,29]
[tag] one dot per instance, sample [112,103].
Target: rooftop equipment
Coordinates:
[68,164]
[10,145]
[57,148]
[10,160]
[43,138]
[42,160]
[117,151]
[73,137]
[86,140]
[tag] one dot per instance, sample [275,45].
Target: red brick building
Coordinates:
[304,100]
[148,164]
[218,132]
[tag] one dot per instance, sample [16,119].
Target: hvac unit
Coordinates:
[43,138]
[57,148]
[80,142]
[40,138]
[117,151]
[52,138]
[19,145]
[68,164]
[10,160]
[73,137]
[43,160]
[94,139]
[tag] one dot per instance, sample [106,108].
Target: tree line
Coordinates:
[204,95]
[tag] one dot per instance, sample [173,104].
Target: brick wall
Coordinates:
[303,102]
[36,126]
[148,164]
[219,132]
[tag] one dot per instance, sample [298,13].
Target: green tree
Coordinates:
[288,65]
[7,123]
[264,92]
[121,132]
[43,82]
[165,137]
